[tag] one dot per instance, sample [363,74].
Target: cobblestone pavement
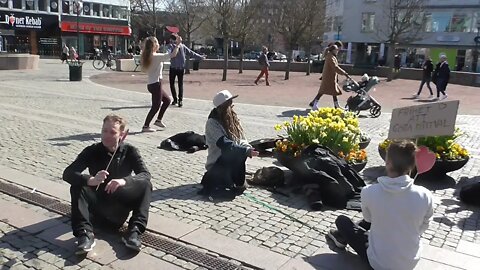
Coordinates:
[20,249]
[47,121]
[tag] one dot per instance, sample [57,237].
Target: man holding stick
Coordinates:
[109,191]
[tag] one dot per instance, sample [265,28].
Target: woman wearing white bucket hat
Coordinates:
[227,147]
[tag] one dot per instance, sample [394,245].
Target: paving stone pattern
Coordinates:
[47,121]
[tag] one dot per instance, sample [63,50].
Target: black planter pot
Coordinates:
[287,160]
[293,163]
[364,144]
[441,167]
[358,166]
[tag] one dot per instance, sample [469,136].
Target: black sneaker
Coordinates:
[132,239]
[174,102]
[85,243]
[337,238]
[180,103]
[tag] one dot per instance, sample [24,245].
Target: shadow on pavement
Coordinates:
[433,182]
[344,260]
[126,107]
[425,100]
[78,137]
[190,192]
[291,113]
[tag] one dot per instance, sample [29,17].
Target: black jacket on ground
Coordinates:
[337,181]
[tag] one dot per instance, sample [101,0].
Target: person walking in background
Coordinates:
[426,78]
[329,85]
[227,148]
[177,67]
[398,211]
[265,64]
[152,63]
[441,77]
[65,53]
[396,63]
[73,54]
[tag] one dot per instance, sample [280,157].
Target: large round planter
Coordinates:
[287,160]
[441,167]
[364,144]
[358,166]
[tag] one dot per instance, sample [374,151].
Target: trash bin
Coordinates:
[75,72]
[196,63]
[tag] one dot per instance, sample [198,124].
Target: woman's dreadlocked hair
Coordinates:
[229,120]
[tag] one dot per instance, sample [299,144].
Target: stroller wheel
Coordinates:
[375,111]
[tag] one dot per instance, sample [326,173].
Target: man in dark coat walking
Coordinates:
[427,77]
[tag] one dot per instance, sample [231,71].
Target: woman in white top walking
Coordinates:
[152,63]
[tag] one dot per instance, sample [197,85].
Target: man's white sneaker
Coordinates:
[430,97]
[444,97]
[415,96]
[435,99]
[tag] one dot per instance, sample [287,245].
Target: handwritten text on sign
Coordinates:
[433,119]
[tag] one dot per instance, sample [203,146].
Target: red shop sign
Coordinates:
[94,28]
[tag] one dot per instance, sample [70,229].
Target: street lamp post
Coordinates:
[78,8]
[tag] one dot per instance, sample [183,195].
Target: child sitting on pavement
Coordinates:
[399,212]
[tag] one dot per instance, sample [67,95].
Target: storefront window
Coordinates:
[441,21]
[17,4]
[476,22]
[4,3]
[124,13]
[461,22]
[96,9]
[66,7]
[30,4]
[368,22]
[42,5]
[115,12]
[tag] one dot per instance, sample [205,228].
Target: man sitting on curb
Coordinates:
[399,212]
[108,192]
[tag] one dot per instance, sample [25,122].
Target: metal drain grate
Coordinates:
[149,239]
[10,189]
[205,260]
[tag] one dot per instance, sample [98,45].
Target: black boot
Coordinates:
[132,239]
[85,243]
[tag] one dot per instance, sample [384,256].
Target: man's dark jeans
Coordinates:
[176,72]
[354,234]
[112,208]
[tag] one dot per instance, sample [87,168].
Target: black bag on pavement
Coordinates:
[187,141]
[471,194]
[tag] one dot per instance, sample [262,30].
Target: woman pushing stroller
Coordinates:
[329,85]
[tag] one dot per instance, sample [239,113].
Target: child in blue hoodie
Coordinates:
[399,212]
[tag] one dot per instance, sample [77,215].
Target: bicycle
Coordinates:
[100,62]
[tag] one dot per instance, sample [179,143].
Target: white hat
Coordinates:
[221,97]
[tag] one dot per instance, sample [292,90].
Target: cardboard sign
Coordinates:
[432,119]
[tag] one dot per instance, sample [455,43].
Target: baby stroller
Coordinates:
[362,101]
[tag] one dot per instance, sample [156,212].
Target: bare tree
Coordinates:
[221,21]
[146,11]
[291,24]
[315,16]
[244,27]
[189,15]
[401,24]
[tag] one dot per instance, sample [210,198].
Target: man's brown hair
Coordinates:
[401,155]
[116,119]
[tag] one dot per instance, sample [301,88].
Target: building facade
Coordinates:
[449,27]
[43,26]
